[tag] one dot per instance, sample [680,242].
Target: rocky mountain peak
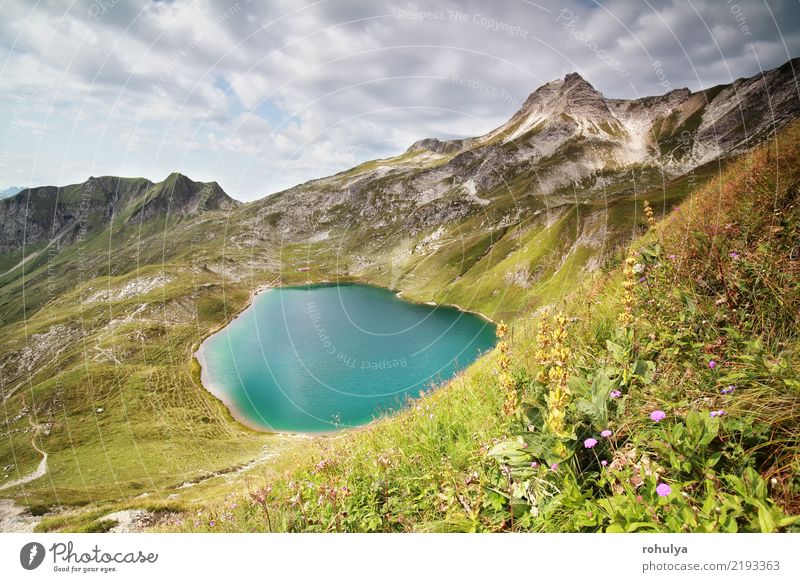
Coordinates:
[50,212]
[571,79]
[437,146]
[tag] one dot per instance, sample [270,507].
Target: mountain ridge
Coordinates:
[49,213]
[102,313]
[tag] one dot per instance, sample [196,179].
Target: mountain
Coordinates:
[451,220]
[63,214]
[566,142]
[107,287]
[10,191]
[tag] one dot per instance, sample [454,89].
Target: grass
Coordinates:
[453,461]
[65,357]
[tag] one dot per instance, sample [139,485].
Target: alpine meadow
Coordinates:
[584,319]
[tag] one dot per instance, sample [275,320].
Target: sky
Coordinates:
[263,95]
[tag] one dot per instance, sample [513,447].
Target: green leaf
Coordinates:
[766,520]
[644,369]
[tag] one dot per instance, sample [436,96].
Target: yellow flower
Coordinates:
[502,330]
[506,380]
[651,220]
[503,361]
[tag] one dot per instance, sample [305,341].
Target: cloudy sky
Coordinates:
[263,95]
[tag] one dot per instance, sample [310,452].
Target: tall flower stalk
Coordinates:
[552,355]
[507,384]
[651,219]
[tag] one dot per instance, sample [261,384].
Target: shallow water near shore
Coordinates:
[324,357]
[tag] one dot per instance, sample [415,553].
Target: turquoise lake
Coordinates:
[325,357]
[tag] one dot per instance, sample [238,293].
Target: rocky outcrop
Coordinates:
[566,142]
[65,214]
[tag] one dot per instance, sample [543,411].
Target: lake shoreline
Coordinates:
[221,395]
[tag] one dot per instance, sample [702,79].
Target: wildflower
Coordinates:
[552,355]
[734,255]
[648,211]
[502,330]
[615,394]
[728,390]
[534,465]
[712,364]
[260,495]
[589,443]
[212,523]
[643,279]
[715,413]
[606,433]
[672,257]
[663,489]
[322,466]
[604,462]
[503,360]
[554,467]
[657,415]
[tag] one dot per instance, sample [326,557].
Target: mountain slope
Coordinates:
[106,287]
[568,157]
[10,191]
[51,213]
[679,403]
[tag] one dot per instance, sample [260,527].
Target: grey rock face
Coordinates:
[64,214]
[567,138]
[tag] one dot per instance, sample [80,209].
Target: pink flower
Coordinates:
[589,443]
[554,467]
[663,490]
[615,394]
[657,415]
[712,364]
[717,413]
[534,464]
[604,462]
[606,433]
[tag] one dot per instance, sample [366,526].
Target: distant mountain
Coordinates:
[566,144]
[10,191]
[108,286]
[51,212]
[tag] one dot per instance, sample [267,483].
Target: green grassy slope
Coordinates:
[88,344]
[130,354]
[700,317]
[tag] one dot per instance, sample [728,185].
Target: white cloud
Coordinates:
[266,95]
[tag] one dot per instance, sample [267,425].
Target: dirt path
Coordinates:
[40,471]
[24,260]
